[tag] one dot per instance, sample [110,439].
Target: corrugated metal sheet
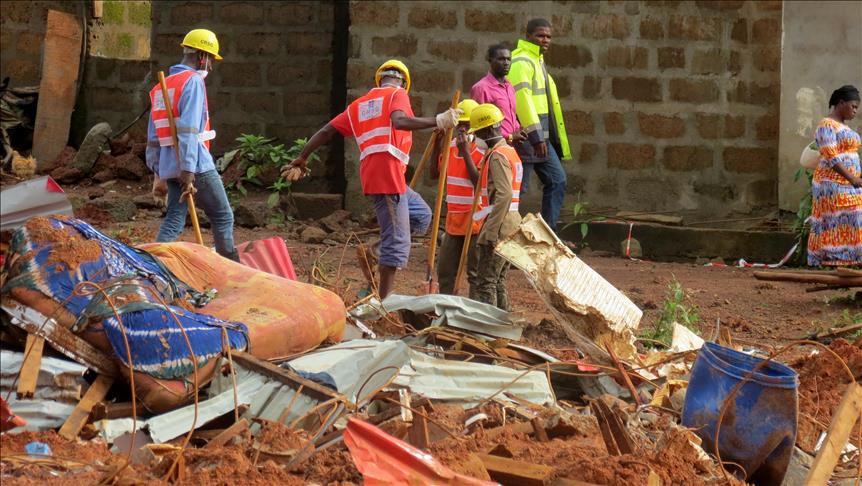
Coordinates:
[269,255]
[37,197]
[458,312]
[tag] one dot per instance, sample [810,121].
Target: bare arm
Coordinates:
[322,137]
[403,122]
[435,157]
[855,181]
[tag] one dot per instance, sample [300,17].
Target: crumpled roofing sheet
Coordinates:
[458,312]
[568,285]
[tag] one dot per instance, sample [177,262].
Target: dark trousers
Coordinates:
[448,259]
[491,278]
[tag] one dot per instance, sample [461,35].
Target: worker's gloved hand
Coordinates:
[187,181]
[448,119]
[160,188]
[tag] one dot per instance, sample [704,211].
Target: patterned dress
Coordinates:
[836,212]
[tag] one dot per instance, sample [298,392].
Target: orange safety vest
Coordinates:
[175,84]
[517,177]
[459,190]
[371,123]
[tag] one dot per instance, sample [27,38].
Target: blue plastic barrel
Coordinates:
[758,430]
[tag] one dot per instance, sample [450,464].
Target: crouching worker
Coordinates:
[195,173]
[381,122]
[462,174]
[505,173]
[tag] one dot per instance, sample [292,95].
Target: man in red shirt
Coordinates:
[381,122]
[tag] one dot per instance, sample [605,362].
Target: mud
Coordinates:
[822,382]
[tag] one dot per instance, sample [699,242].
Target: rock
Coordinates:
[139,149]
[91,147]
[312,206]
[251,213]
[634,246]
[130,167]
[312,235]
[105,161]
[67,174]
[96,192]
[146,201]
[120,209]
[120,146]
[336,221]
[67,155]
[104,176]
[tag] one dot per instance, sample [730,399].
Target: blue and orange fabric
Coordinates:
[836,210]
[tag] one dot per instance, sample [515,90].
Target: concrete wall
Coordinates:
[821,51]
[670,105]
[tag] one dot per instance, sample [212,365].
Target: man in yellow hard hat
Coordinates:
[462,175]
[195,172]
[505,173]
[381,122]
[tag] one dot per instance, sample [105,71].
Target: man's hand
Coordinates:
[296,170]
[160,188]
[448,119]
[518,136]
[541,150]
[187,181]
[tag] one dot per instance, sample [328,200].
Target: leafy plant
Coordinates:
[677,308]
[580,212]
[800,227]
[256,155]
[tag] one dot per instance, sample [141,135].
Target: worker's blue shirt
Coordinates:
[190,124]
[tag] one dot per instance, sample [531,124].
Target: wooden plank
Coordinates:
[285,376]
[848,411]
[228,434]
[61,339]
[31,365]
[112,411]
[834,279]
[539,429]
[418,434]
[95,394]
[512,472]
[61,58]
[570,482]
[97,9]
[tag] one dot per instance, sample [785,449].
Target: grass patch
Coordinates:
[677,308]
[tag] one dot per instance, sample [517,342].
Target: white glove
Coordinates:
[448,119]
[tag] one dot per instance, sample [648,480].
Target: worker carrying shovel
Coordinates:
[462,174]
[187,169]
[505,173]
[381,122]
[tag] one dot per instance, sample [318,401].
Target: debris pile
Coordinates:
[411,390]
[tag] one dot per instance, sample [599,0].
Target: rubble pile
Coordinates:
[428,389]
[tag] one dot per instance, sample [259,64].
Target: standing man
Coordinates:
[496,89]
[381,122]
[505,173]
[539,112]
[462,175]
[195,174]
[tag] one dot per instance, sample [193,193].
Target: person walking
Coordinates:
[505,173]
[496,89]
[540,115]
[381,122]
[836,188]
[195,174]
[462,174]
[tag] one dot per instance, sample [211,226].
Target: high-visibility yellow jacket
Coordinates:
[527,76]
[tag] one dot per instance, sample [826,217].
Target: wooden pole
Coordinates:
[166,97]
[849,410]
[438,205]
[425,156]
[468,235]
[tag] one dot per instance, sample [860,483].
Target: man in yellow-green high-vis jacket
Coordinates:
[540,115]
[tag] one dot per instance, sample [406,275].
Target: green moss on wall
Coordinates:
[140,13]
[114,12]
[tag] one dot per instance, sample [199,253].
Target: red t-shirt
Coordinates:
[380,173]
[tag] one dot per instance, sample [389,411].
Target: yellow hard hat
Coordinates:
[467,107]
[202,40]
[393,64]
[483,116]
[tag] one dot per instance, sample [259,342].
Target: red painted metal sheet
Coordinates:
[269,255]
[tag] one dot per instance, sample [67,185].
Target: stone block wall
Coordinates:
[669,105]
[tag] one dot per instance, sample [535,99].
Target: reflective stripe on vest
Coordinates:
[459,187]
[175,84]
[371,123]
